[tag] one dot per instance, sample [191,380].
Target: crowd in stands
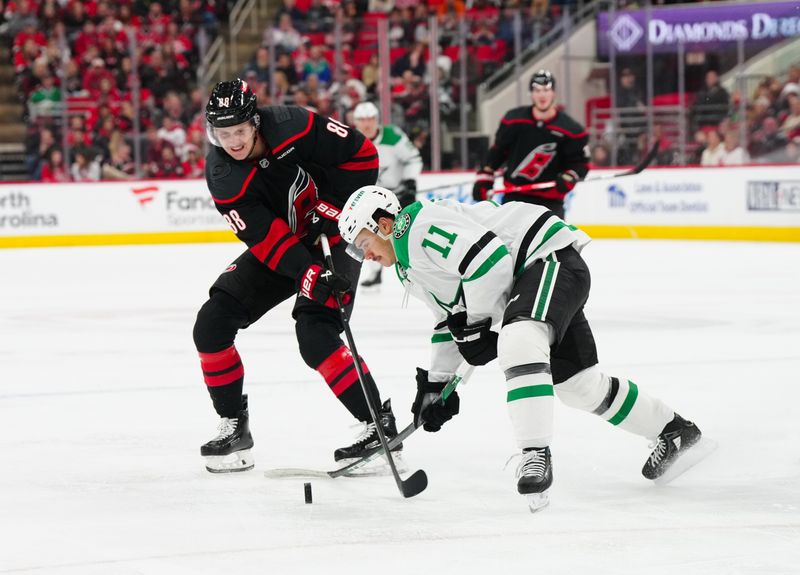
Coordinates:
[770,124]
[83,52]
[110,59]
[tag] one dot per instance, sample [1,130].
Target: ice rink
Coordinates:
[103,411]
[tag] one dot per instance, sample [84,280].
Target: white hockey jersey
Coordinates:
[454,255]
[399,158]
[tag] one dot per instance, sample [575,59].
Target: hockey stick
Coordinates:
[462,374]
[637,169]
[418,481]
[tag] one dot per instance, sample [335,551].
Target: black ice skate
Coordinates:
[368,441]
[675,450]
[229,451]
[534,477]
[375,280]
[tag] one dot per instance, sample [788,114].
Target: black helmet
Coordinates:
[543,78]
[230,103]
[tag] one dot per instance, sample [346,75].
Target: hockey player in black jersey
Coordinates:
[278,175]
[543,149]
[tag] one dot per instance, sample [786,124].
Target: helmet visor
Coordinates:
[355,253]
[231,136]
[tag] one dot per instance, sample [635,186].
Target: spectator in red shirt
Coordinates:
[54,169]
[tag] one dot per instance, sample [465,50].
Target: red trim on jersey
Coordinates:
[367,149]
[567,133]
[277,230]
[275,259]
[241,192]
[517,121]
[279,147]
[368,165]
[219,360]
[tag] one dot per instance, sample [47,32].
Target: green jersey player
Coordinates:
[516,266]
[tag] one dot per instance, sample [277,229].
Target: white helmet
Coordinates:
[365,110]
[359,211]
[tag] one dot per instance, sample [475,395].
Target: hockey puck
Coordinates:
[307,488]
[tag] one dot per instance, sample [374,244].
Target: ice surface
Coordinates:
[103,411]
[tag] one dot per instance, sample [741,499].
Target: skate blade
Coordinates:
[538,501]
[688,459]
[231,463]
[378,466]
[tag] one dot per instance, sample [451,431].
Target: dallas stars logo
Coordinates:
[401,224]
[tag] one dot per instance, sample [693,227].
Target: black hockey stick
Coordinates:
[462,374]
[418,481]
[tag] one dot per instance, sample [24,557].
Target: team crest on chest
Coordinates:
[401,224]
[263,162]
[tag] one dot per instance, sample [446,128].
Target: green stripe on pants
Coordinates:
[627,405]
[529,391]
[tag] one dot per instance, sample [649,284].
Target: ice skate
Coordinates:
[373,280]
[534,477]
[368,440]
[678,447]
[229,451]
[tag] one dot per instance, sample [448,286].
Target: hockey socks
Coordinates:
[339,372]
[223,373]
[524,355]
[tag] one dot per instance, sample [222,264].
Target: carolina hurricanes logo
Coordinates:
[302,201]
[145,194]
[535,162]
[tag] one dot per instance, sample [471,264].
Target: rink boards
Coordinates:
[753,203]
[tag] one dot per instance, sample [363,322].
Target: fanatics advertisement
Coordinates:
[706,27]
[722,203]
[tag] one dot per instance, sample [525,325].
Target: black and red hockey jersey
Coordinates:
[537,151]
[268,202]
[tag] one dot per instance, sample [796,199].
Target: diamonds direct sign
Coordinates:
[704,27]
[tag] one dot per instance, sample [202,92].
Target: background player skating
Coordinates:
[278,175]
[519,266]
[537,144]
[400,166]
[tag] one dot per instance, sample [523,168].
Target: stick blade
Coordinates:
[415,484]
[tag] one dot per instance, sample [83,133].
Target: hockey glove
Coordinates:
[324,220]
[427,410]
[484,182]
[407,192]
[320,284]
[476,342]
[565,181]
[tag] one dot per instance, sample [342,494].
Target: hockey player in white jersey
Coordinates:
[400,165]
[517,266]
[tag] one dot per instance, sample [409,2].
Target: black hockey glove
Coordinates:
[319,284]
[484,182]
[324,220]
[406,192]
[476,342]
[566,181]
[427,410]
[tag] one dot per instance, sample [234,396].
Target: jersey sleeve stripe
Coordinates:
[365,164]
[288,141]
[241,192]
[484,268]
[474,250]
[528,238]
[367,150]
[285,245]
[278,232]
